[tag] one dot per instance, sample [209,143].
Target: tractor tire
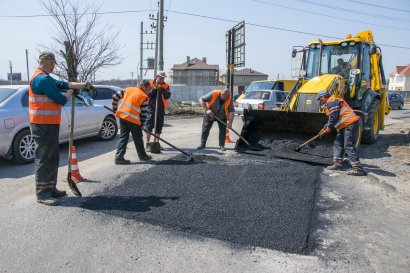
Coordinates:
[372,126]
[24,147]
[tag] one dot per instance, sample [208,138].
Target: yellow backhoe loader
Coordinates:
[350,68]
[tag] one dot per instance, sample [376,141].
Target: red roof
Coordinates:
[403,70]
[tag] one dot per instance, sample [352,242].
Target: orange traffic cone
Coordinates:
[227,139]
[75,171]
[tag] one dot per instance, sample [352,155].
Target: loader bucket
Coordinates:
[279,133]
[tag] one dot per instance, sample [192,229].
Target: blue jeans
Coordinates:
[345,143]
[47,157]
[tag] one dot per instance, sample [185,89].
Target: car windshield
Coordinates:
[264,86]
[5,93]
[258,95]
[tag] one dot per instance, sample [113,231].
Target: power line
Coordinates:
[354,11]
[330,16]
[272,27]
[377,6]
[213,18]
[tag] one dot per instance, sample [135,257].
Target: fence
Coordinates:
[190,93]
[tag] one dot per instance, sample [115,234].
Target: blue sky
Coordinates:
[282,24]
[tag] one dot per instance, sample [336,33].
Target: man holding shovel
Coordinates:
[157,103]
[217,103]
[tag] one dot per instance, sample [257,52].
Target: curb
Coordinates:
[381,180]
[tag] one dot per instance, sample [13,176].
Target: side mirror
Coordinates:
[294,52]
[372,49]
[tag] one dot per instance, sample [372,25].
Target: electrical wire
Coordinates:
[377,6]
[329,16]
[353,11]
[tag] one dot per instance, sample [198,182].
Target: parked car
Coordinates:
[260,99]
[395,100]
[103,96]
[16,142]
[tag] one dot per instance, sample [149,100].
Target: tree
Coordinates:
[83,45]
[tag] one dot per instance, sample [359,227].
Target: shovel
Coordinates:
[71,183]
[310,140]
[190,158]
[241,137]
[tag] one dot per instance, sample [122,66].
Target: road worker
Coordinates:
[346,122]
[157,85]
[45,101]
[131,112]
[218,103]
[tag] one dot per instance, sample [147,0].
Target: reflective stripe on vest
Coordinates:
[215,96]
[165,86]
[346,114]
[130,107]
[42,109]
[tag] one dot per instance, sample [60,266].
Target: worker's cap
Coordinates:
[47,55]
[322,93]
[161,74]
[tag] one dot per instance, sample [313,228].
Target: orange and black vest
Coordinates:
[130,106]
[42,109]
[162,85]
[215,96]
[346,115]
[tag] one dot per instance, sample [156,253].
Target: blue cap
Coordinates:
[322,93]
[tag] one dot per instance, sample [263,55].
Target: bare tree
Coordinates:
[81,43]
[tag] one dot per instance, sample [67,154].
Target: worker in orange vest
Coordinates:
[131,112]
[346,122]
[157,85]
[45,101]
[218,103]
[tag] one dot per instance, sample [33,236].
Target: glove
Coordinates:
[90,87]
[209,112]
[76,92]
[324,131]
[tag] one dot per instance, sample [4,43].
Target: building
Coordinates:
[195,72]
[400,79]
[242,78]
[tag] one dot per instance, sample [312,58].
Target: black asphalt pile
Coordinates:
[281,145]
[248,202]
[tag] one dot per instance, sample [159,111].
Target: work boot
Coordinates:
[122,161]
[335,167]
[201,146]
[222,148]
[145,157]
[48,201]
[356,172]
[148,147]
[56,193]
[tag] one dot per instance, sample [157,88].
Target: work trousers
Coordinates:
[47,156]
[345,143]
[127,127]
[150,120]
[206,128]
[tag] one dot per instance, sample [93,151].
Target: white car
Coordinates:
[260,99]
[16,142]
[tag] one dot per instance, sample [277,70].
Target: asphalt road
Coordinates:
[171,216]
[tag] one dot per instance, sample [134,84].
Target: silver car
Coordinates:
[260,99]
[16,142]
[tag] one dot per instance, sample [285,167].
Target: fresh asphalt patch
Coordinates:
[261,203]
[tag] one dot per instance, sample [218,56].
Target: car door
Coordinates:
[393,101]
[85,118]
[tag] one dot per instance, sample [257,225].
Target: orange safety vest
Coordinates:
[42,109]
[130,106]
[346,115]
[165,86]
[215,95]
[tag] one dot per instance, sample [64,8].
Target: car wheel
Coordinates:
[24,147]
[400,106]
[109,129]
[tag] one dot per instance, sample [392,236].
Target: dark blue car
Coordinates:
[395,100]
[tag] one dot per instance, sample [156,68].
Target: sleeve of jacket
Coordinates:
[143,115]
[334,112]
[166,93]
[115,98]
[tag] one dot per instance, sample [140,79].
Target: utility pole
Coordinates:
[141,75]
[28,75]
[132,78]
[161,35]
[11,72]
